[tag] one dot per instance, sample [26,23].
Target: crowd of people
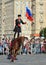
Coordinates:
[36,45]
[4,45]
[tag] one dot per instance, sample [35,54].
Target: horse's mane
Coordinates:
[17,40]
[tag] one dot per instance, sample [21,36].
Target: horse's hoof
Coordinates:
[12,60]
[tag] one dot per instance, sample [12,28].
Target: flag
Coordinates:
[29,14]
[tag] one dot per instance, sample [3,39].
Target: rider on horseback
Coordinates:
[18,40]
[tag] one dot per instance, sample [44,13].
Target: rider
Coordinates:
[17,28]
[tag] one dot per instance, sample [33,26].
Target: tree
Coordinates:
[43,32]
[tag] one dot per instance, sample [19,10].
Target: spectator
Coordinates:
[32,45]
[42,46]
[37,46]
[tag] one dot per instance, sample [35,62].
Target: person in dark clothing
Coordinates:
[17,28]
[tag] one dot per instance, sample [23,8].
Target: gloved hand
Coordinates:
[24,22]
[19,25]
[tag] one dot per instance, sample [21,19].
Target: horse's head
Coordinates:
[23,40]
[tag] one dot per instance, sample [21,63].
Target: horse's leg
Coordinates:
[15,55]
[16,52]
[12,56]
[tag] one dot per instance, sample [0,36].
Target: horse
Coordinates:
[15,46]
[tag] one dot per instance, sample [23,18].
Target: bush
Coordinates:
[43,32]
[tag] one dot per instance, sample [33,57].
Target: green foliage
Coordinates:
[43,32]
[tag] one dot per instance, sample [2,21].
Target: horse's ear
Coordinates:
[26,38]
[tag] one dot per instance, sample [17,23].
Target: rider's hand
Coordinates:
[24,22]
[19,25]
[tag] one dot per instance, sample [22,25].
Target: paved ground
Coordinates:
[38,59]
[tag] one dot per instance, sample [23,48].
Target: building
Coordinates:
[9,10]
[0,18]
[6,18]
[39,14]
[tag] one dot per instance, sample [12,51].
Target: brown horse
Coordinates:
[15,46]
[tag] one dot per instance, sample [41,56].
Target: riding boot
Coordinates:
[14,35]
[18,35]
